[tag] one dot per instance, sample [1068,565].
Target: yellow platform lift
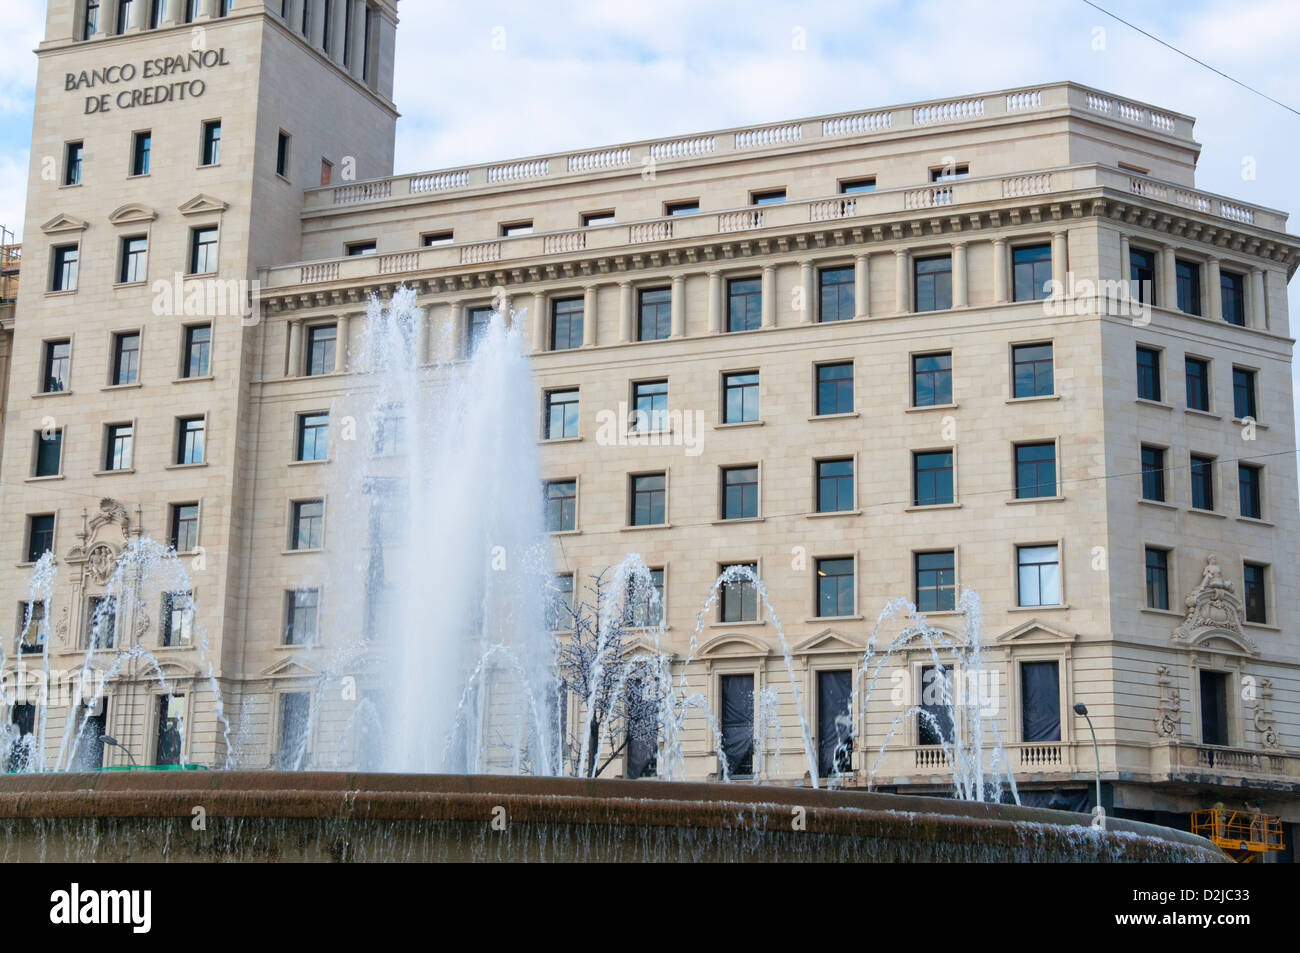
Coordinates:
[1245,836]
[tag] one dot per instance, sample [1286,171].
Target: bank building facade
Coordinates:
[996,343]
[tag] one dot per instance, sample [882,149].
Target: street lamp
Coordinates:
[110,740]
[1081,709]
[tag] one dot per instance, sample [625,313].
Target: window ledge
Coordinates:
[1214,513]
[1266,626]
[1202,413]
[834,618]
[920,410]
[923,507]
[931,613]
[1158,504]
[736,425]
[1051,608]
[647,434]
[832,513]
[52,393]
[1154,611]
[131,386]
[1242,422]
[629,528]
[1016,501]
[1253,521]
[190,380]
[752,623]
[113,472]
[1031,400]
[300,552]
[186,466]
[845,416]
[60,294]
[129,284]
[43,479]
[549,440]
[309,463]
[1160,404]
[739,519]
[563,532]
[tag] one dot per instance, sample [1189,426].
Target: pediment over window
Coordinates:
[733,644]
[916,642]
[203,204]
[829,640]
[1035,631]
[642,645]
[174,670]
[64,223]
[289,668]
[1222,640]
[131,214]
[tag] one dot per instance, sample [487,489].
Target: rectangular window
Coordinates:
[1187,275]
[437,238]
[740,397]
[739,597]
[1243,393]
[932,482]
[948,173]
[134,259]
[367,31]
[1148,373]
[559,609]
[64,275]
[321,341]
[835,388]
[934,722]
[834,486]
[1214,708]
[1039,581]
[932,379]
[49,453]
[649,499]
[301,607]
[171,728]
[646,609]
[1032,272]
[739,493]
[1157,570]
[58,364]
[1198,384]
[654,316]
[1153,474]
[516,228]
[936,581]
[1249,488]
[91,22]
[837,294]
[1202,474]
[681,208]
[185,527]
[1040,701]
[327,22]
[313,436]
[191,10]
[189,440]
[1031,370]
[177,618]
[126,358]
[203,250]
[1142,275]
[358,249]
[73,153]
[561,414]
[326,171]
[561,506]
[834,722]
[155,13]
[198,346]
[1232,296]
[307,525]
[852,186]
[744,304]
[40,536]
[933,282]
[1254,577]
[390,430]
[737,695]
[211,151]
[117,454]
[650,406]
[477,324]
[1035,470]
[306,18]
[566,324]
[31,619]
[295,707]
[102,621]
[597,218]
[834,587]
[141,147]
[770,197]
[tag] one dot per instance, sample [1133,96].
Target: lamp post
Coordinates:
[1081,709]
[110,740]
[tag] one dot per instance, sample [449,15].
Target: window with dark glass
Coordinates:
[185,527]
[561,414]
[596,218]
[834,486]
[649,499]
[189,440]
[102,621]
[1253,592]
[1214,707]
[931,379]
[1035,470]
[134,257]
[739,597]
[932,482]
[516,228]
[155,13]
[64,276]
[744,304]
[1031,269]
[737,723]
[654,317]
[58,358]
[1031,370]
[1187,276]
[141,147]
[561,506]
[91,21]
[566,324]
[211,153]
[203,250]
[360,249]
[49,452]
[1039,575]
[559,603]
[837,294]
[770,197]
[301,608]
[1153,474]
[1142,275]
[437,238]
[948,173]
[936,581]
[1148,373]
[650,406]
[1249,489]
[198,345]
[177,618]
[1202,475]
[1157,576]
[933,283]
[740,397]
[40,536]
[73,153]
[934,722]
[118,452]
[1232,296]
[835,388]
[171,724]
[313,436]
[126,358]
[1243,393]
[31,627]
[681,208]
[476,325]
[834,722]
[123,16]
[1198,384]
[852,186]
[645,605]
[835,587]
[739,493]
[321,340]
[308,524]
[191,10]
[295,707]
[1040,701]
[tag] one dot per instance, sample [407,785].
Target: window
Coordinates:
[934,722]
[1153,474]
[835,388]
[740,397]
[837,295]
[566,324]
[477,324]
[559,607]
[1039,575]
[1142,275]
[649,499]
[117,455]
[654,317]
[171,727]
[327,22]
[1031,370]
[1148,373]
[326,171]
[1040,701]
[739,493]
[389,430]
[141,147]
[744,304]
[834,486]
[949,173]
[134,257]
[191,10]
[1232,297]
[211,152]
[1035,470]
[1157,575]
[126,358]
[737,694]
[203,250]
[770,197]
[936,581]
[834,722]
[517,228]
[932,482]
[49,453]
[561,414]
[295,707]
[198,345]
[1187,275]
[189,440]
[366,33]
[91,22]
[185,527]
[31,634]
[681,208]
[561,506]
[321,341]
[306,19]
[852,186]
[1243,393]
[64,275]
[1202,474]
[834,587]
[1032,272]
[58,360]
[40,536]
[225,6]
[300,614]
[437,238]
[1214,707]
[358,249]
[155,13]
[307,524]
[933,277]
[647,611]
[313,436]
[1249,487]
[102,621]
[1253,592]
[650,406]
[739,597]
[1198,384]
[932,379]
[597,218]
[177,618]
[73,153]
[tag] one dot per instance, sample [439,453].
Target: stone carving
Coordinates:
[110,511]
[102,560]
[1169,715]
[1264,724]
[1212,608]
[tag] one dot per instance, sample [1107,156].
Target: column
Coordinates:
[677,313]
[1258,308]
[862,286]
[959,295]
[139,15]
[208,9]
[1061,260]
[769,296]
[1125,268]
[459,345]
[335,52]
[808,314]
[343,335]
[1213,279]
[902,281]
[626,297]
[1168,278]
[171,12]
[358,39]
[715,303]
[294,367]
[316,25]
[105,23]
[589,316]
[423,338]
[539,321]
[1001,271]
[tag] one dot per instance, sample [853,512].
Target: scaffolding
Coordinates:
[1245,836]
[11,253]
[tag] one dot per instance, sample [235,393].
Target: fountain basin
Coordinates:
[335,816]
